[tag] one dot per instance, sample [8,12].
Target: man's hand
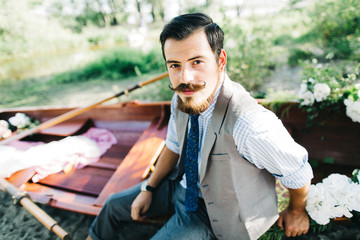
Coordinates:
[140,205]
[296,223]
[166,162]
[294,218]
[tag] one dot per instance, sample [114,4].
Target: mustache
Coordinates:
[188,86]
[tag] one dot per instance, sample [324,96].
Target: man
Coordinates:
[215,175]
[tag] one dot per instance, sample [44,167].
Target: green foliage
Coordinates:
[158,91]
[24,32]
[337,24]
[329,160]
[334,33]
[91,16]
[275,232]
[250,55]
[114,65]
[356,178]
[283,39]
[339,77]
[297,55]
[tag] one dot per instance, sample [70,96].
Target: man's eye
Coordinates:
[196,62]
[174,65]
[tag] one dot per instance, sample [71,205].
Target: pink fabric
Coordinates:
[52,157]
[103,138]
[23,145]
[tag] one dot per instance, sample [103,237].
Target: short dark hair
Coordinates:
[184,25]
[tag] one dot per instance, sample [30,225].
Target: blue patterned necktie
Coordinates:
[191,165]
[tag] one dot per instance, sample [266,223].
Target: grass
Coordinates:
[36,92]
[109,73]
[53,68]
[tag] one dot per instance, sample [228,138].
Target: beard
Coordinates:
[190,105]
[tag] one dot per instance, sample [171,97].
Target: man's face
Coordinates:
[192,60]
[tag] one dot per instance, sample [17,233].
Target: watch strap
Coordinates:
[146,187]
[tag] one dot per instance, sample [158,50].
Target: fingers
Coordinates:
[294,234]
[137,211]
[140,206]
[294,223]
[295,231]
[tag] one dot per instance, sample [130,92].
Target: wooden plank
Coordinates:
[92,178]
[88,180]
[68,128]
[130,171]
[22,176]
[61,199]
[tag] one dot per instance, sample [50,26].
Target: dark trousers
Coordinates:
[114,220]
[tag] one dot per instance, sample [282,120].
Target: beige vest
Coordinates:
[240,198]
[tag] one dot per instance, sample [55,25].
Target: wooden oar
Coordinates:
[22,198]
[75,112]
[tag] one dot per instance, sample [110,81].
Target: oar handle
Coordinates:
[45,219]
[37,212]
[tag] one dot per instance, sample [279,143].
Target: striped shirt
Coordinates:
[261,139]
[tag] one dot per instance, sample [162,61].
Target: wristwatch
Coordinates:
[146,187]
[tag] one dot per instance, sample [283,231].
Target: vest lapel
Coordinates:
[216,123]
[182,129]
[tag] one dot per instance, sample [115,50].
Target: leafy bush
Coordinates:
[249,61]
[296,55]
[337,22]
[116,64]
[283,39]
[326,87]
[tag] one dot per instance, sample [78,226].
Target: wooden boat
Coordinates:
[140,129]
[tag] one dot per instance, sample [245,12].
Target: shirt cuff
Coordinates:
[299,178]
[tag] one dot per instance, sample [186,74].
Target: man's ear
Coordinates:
[222,60]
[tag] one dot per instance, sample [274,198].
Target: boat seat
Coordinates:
[68,128]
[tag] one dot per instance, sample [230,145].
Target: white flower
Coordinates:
[20,120]
[336,181]
[353,197]
[308,98]
[319,204]
[303,88]
[353,109]
[4,129]
[335,197]
[321,91]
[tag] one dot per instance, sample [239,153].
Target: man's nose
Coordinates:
[187,75]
